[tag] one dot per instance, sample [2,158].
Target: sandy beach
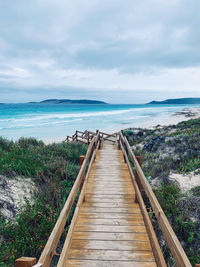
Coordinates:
[183,115]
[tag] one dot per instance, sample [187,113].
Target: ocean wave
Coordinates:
[73,115]
[22,126]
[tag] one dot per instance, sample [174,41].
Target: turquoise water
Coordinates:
[55,122]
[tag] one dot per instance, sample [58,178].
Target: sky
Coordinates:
[119,51]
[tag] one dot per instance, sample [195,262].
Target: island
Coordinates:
[69,101]
[177,101]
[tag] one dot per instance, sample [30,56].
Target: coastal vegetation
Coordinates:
[167,150]
[53,169]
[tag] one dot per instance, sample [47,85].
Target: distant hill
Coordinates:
[69,101]
[177,101]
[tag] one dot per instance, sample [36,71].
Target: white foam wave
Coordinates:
[73,115]
[21,126]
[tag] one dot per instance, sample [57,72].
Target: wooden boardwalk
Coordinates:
[109,230]
[110,225]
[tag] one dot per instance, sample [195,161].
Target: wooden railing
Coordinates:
[171,238]
[52,243]
[139,184]
[63,255]
[79,136]
[86,137]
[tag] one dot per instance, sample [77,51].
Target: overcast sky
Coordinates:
[120,51]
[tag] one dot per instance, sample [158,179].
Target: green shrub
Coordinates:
[53,168]
[167,196]
[189,165]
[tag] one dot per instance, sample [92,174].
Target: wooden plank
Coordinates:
[97,263]
[111,245]
[103,173]
[109,210]
[100,221]
[111,183]
[111,188]
[110,176]
[111,205]
[113,191]
[113,176]
[111,236]
[108,196]
[90,254]
[111,228]
[108,200]
[111,216]
[108,179]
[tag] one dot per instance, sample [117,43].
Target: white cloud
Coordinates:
[150,45]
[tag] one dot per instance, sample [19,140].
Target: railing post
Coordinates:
[81,160]
[139,159]
[124,155]
[82,157]
[96,142]
[100,141]
[119,139]
[25,262]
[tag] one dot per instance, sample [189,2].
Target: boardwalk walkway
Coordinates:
[110,225]
[110,229]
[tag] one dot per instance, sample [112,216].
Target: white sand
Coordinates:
[12,194]
[184,115]
[185,181]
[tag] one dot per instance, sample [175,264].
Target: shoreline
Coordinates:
[177,117]
[148,120]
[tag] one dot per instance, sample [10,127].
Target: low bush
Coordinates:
[53,168]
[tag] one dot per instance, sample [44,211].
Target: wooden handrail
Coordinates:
[87,136]
[152,236]
[51,245]
[109,135]
[63,255]
[171,238]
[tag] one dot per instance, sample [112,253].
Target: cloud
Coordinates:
[130,45]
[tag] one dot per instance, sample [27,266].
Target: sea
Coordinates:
[53,122]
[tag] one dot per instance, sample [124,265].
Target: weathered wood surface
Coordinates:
[109,229]
[25,262]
